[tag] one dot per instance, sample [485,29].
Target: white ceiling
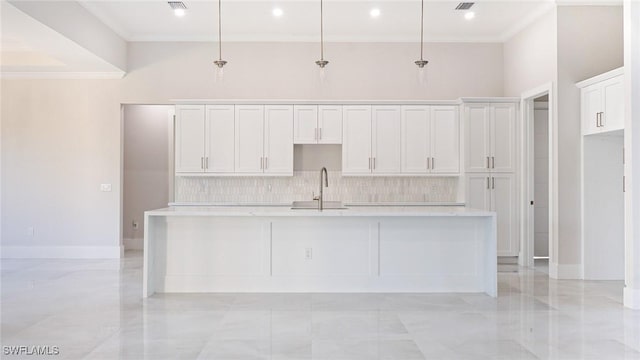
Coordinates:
[345,20]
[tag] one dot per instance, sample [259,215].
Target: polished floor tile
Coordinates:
[93,309]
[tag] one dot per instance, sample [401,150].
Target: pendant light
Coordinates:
[220,63]
[322,62]
[422,62]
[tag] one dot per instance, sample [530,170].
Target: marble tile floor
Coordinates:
[92,309]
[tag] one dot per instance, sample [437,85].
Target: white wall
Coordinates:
[146,166]
[541,179]
[60,141]
[584,50]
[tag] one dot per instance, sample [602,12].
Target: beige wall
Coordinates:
[162,71]
[590,42]
[60,141]
[146,165]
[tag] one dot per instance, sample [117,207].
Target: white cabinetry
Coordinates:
[317,124]
[602,99]
[204,139]
[497,192]
[264,139]
[371,140]
[490,137]
[430,140]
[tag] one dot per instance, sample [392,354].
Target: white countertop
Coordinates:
[355,211]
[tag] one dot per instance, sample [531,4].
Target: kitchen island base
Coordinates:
[308,251]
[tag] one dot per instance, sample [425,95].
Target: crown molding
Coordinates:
[114,75]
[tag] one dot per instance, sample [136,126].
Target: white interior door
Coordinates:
[190,138]
[305,124]
[385,146]
[330,124]
[503,189]
[356,141]
[220,148]
[503,137]
[416,134]
[478,137]
[249,138]
[445,140]
[278,137]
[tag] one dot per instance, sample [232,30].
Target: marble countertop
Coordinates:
[353,211]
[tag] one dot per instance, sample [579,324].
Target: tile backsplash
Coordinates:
[304,184]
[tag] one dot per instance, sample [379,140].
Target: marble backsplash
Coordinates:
[304,184]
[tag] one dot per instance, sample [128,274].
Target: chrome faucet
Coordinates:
[326,184]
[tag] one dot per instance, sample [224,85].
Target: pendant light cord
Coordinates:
[219,30]
[321,32]
[421,29]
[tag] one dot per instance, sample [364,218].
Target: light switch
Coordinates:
[105,187]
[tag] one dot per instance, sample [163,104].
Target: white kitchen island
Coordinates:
[360,249]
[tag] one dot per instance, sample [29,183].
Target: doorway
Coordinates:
[539,205]
[147,174]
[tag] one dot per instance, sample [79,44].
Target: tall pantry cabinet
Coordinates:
[490,162]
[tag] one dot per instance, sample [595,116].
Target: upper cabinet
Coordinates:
[264,139]
[602,99]
[371,140]
[430,140]
[317,124]
[204,139]
[490,137]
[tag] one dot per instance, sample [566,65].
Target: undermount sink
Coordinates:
[313,205]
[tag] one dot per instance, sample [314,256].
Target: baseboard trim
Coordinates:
[632,298]
[61,252]
[133,244]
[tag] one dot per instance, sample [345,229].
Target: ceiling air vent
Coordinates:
[176,5]
[464,6]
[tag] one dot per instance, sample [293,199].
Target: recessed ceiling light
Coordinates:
[277,12]
[179,8]
[375,13]
[469,15]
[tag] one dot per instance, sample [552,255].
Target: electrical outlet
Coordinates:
[105,187]
[30,231]
[308,253]
[134,224]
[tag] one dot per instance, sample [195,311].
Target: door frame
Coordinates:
[527,178]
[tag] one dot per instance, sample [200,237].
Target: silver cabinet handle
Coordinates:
[597,119]
[202,163]
[261,163]
[433,163]
[488,167]
[493,162]
[601,119]
[206,163]
[369,163]
[488,183]
[428,163]
[266,163]
[493,182]
[374,163]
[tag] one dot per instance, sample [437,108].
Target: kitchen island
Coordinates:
[359,249]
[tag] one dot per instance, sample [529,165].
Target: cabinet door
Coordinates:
[613,104]
[503,154]
[445,140]
[278,139]
[356,140]
[219,144]
[190,138]
[478,137]
[249,138]
[415,128]
[479,191]
[385,143]
[591,106]
[329,124]
[503,201]
[305,124]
